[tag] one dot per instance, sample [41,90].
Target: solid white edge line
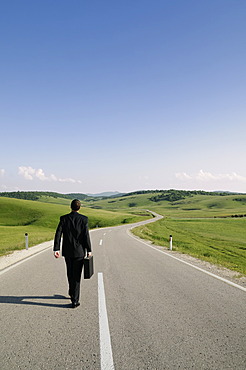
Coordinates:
[189,264]
[23,260]
[105,341]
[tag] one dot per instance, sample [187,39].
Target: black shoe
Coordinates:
[75,304]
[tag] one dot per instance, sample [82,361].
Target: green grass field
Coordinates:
[190,207]
[209,227]
[201,225]
[219,241]
[40,219]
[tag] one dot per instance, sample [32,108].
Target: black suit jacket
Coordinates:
[73,228]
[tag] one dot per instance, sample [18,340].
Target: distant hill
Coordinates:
[36,195]
[157,195]
[40,195]
[79,196]
[106,194]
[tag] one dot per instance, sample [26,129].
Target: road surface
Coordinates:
[141,310]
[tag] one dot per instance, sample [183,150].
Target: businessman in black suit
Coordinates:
[73,228]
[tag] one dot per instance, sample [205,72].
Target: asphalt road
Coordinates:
[161,313]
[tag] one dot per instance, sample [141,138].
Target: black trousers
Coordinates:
[74,271]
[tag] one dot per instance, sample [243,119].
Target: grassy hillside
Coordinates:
[40,220]
[37,195]
[210,227]
[190,207]
[219,241]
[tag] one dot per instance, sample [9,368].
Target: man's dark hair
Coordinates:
[75,205]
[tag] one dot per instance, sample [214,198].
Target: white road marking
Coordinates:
[105,341]
[23,260]
[101,242]
[189,264]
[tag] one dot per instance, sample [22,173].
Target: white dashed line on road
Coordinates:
[105,341]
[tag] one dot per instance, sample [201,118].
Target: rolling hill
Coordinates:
[209,226]
[39,219]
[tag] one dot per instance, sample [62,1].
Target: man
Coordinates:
[73,228]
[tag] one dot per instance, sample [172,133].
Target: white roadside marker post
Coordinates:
[170,243]
[26,237]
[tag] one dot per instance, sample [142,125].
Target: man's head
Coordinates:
[75,205]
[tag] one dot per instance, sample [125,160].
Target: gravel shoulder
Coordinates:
[17,256]
[223,272]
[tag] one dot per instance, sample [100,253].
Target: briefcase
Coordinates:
[88,267]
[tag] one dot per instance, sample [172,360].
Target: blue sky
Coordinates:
[122,95]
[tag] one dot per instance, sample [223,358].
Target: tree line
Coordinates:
[174,195]
[35,195]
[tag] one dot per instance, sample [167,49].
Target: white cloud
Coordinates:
[40,175]
[53,177]
[222,176]
[30,173]
[67,180]
[2,172]
[208,176]
[27,172]
[235,176]
[183,176]
[204,176]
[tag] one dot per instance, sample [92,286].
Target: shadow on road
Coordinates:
[31,300]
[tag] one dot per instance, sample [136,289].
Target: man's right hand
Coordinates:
[57,254]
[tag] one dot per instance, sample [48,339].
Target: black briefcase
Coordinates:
[88,267]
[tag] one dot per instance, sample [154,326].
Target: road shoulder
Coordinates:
[19,255]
